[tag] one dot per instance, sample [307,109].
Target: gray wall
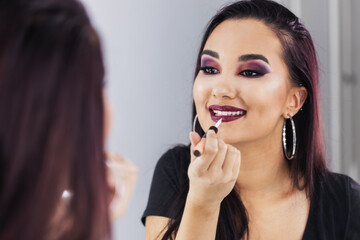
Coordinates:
[355,8]
[150,49]
[350,87]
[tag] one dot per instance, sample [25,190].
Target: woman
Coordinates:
[264,174]
[53,181]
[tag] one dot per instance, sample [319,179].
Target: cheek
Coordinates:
[201,92]
[271,95]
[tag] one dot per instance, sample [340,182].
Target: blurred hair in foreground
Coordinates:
[51,123]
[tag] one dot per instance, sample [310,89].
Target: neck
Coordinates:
[263,171]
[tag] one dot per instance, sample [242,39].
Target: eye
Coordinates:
[251,73]
[209,70]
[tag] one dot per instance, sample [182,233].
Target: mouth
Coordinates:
[226,113]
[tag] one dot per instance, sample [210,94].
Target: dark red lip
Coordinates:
[227,109]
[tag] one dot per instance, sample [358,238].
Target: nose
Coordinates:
[223,90]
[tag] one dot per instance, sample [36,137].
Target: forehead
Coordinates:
[244,36]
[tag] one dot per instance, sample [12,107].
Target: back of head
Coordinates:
[51,123]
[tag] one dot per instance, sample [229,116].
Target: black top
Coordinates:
[334,208]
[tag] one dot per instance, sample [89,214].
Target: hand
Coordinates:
[212,175]
[122,175]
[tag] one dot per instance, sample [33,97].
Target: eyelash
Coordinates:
[209,70]
[251,73]
[246,73]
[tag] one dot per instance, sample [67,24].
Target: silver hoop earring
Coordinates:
[292,153]
[194,123]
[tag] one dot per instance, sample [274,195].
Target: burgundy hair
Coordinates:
[51,123]
[300,58]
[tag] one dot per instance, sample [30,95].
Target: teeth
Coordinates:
[226,113]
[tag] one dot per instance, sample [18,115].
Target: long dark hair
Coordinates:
[300,58]
[51,123]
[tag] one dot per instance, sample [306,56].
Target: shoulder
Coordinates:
[172,166]
[349,190]
[336,206]
[179,152]
[336,183]
[169,177]
[352,194]
[353,230]
[338,178]
[337,189]
[176,158]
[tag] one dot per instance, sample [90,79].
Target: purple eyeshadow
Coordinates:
[207,61]
[256,66]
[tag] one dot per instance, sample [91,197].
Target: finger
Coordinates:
[203,162]
[211,147]
[237,164]
[219,159]
[194,138]
[199,148]
[229,161]
[196,143]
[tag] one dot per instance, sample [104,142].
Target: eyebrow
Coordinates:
[244,58]
[211,53]
[248,57]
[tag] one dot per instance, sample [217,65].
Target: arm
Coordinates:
[199,220]
[212,177]
[155,227]
[169,176]
[199,217]
[121,175]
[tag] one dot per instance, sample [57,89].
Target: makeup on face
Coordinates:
[251,85]
[253,68]
[226,113]
[251,65]
[209,65]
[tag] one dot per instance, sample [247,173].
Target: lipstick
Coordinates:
[196,152]
[226,113]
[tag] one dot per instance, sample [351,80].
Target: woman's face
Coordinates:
[244,81]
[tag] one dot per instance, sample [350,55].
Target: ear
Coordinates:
[295,101]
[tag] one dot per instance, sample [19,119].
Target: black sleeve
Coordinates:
[169,176]
[334,209]
[353,226]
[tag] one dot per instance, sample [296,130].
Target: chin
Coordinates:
[228,138]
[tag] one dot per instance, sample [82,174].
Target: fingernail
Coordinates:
[197,153]
[214,128]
